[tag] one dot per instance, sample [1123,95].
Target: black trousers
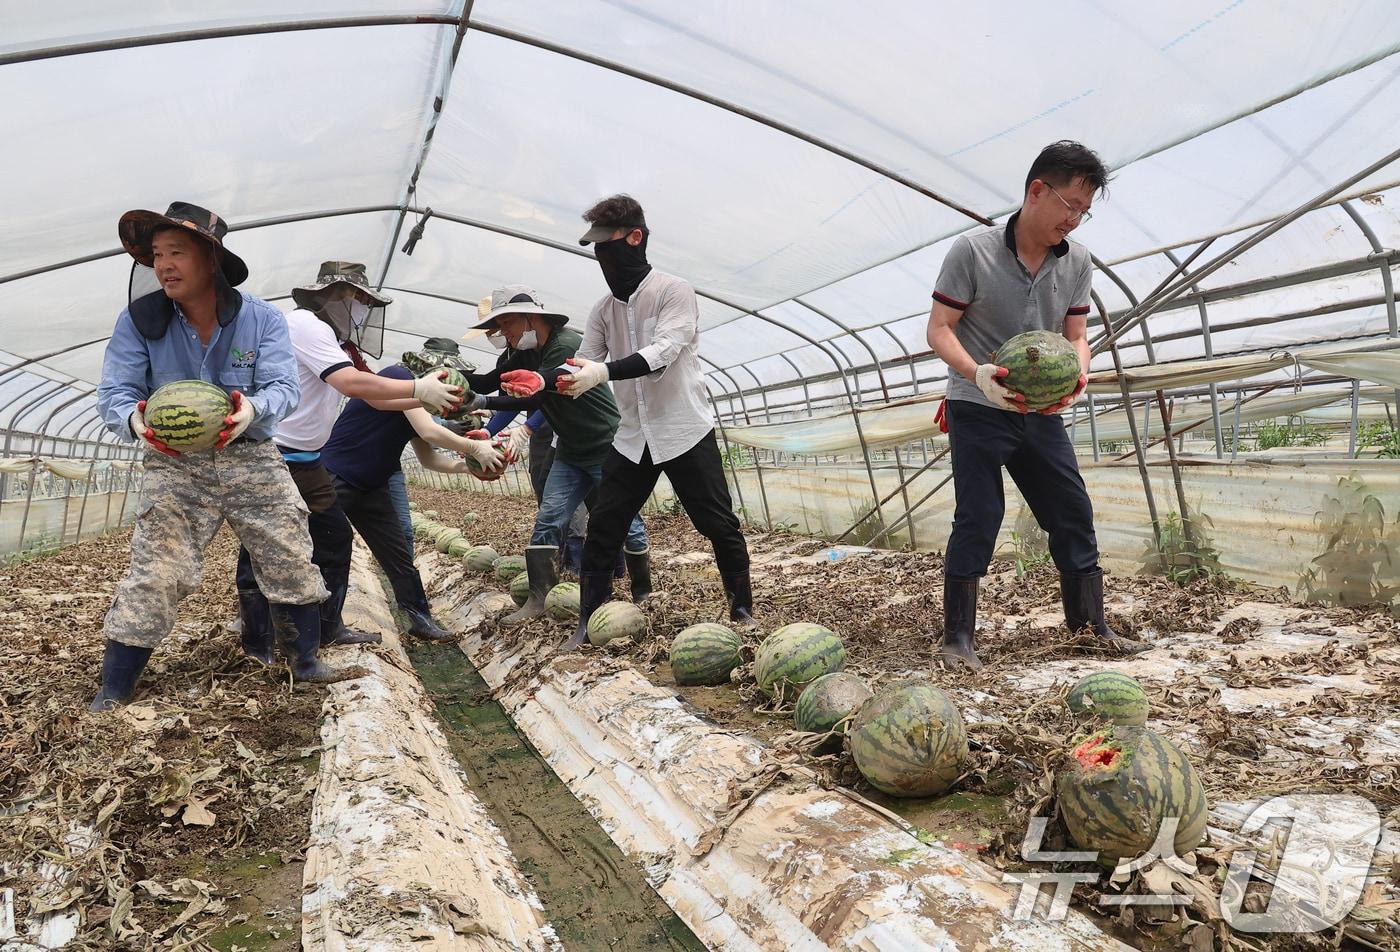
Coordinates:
[697,476]
[331,539]
[541,458]
[372,513]
[1035,450]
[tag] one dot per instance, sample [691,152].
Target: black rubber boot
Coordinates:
[421,624]
[960,624]
[540,567]
[333,630]
[571,556]
[639,569]
[594,588]
[256,631]
[1082,598]
[121,666]
[348,636]
[300,628]
[739,594]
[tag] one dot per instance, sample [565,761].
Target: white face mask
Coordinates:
[496,339]
[528,340]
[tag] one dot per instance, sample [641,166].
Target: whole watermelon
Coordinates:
[455,378]
[615,620]
[704,654]
[909,740]
[445,538]
[828,701]
[480,558]
[795,655]
[520,589]
[1117,786]
[1044,367]
[458,547]
[508,567]
[562,601]
[431,513]
[1109,696]
[187,415]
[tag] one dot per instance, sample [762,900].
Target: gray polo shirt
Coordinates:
[999,298]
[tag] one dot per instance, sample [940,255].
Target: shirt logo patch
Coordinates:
[243,359]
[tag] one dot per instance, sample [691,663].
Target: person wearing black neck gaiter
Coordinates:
[623,265]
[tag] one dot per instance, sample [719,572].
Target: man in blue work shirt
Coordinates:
[197,327]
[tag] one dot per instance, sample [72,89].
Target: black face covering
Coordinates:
[624,266]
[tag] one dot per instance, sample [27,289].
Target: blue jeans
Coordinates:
[398,492]
[566,487]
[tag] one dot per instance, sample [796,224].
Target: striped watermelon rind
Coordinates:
[829,701]
[480,558]
[431,513]
[507,567]
[704,654]
[562,601]
[615,620]
[187,415]
[795,655]
[1118,784]
[1043,367]
[1109,696]
[444,539]
[909,740]
[520,589]
[455,378]
[458,548]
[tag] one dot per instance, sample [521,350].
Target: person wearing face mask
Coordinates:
[338,308]
[647,330]
[540,345]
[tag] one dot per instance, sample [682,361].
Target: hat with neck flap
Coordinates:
[341,296]
[151,310]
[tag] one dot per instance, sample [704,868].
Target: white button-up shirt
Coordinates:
[667,410]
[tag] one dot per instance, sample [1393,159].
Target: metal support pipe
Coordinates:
[874,358]
[1387,282]
[1210,354]
[1093,426]
[1352,447]
[82,509]
[1235,450]
[894,492]
[28,501]
[798,375]
[913,374]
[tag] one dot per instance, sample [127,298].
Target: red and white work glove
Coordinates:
[1068,401]
[141,431]
[590,373]
[434,394]
[521,383]
[483,459]
[988,376]
[237,421]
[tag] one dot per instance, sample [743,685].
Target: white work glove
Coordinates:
[143,431]
[1001,398]
[434,394]
[484,458]
[237,421]
[590,373]
[519,446]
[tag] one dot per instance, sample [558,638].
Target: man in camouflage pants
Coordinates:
[197,327]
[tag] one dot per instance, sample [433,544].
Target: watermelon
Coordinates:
[828,701]
[1044,367]
[445,538]
[469,518]
[431,513]
[508,567]
[1109,696]
[520,589]
[412,507]
[704,654]
[795,655]
[187,415]
[455,378]
[457,548]
[616,620]
[480,558]
[1117,786]
[562,601]
[909,740]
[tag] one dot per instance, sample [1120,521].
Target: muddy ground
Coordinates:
[177,823]
[1265,697]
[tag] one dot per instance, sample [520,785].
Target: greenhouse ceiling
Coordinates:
[804,164]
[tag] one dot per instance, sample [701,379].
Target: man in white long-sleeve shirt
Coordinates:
[648,330]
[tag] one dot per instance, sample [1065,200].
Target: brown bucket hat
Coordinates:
[136,228]
[312,296]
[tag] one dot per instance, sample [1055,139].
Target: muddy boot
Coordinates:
[539,566]
[255,633]
[959,624]
[349,636]
[571,556]
[739,594]
[422,625]
[594,589]
[300,628]
[333,630]
[121,666]
[1081,595]
[639,568]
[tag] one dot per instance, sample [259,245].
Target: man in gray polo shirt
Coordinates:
[996,283]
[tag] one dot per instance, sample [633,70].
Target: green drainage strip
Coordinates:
[594,896]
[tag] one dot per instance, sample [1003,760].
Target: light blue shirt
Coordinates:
[251,353]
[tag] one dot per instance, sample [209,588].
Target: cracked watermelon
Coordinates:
[1118,785]
[704,654]
[909,740]
[1109,696]
[1044,367]
[615,620]
[795,655]
[187,415]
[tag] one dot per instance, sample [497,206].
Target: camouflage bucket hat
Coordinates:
[437,352]
[312,297]
[136,228]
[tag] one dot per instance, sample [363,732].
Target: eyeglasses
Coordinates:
[1079,216]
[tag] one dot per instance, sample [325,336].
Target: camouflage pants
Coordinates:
[184,501]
